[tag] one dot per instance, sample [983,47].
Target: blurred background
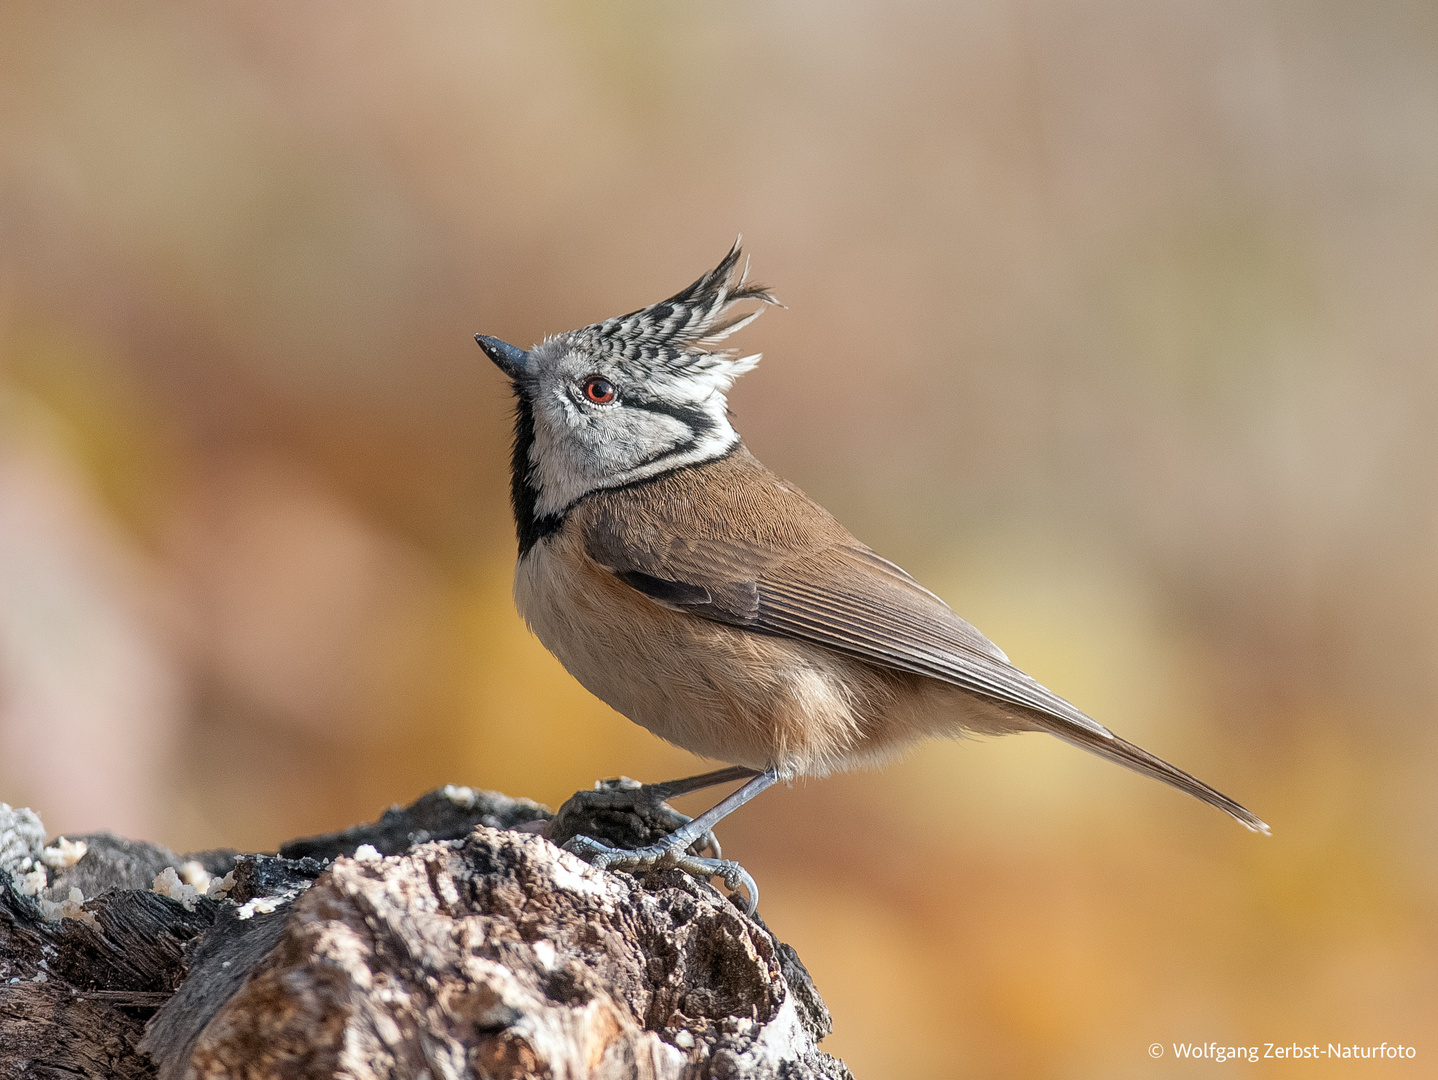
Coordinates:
[1114,322]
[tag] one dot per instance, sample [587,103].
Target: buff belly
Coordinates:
[722,692]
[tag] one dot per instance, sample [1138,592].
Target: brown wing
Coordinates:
[730,541]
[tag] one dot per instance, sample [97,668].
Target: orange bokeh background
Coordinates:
[1115,323]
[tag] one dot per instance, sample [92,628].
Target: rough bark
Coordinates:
[465,944]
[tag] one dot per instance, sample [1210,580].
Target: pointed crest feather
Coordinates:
[677,332]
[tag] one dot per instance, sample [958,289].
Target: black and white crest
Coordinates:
[676,335]
[626,399]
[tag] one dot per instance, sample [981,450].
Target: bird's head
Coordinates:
[627,398]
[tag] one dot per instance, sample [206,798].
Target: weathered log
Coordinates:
[448,939]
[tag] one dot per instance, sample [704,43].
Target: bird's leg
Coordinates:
[673,850]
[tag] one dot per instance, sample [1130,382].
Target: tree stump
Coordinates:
[449,939]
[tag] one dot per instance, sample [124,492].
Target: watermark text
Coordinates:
[1267,1051]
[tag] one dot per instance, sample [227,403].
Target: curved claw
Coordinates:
[735,878]
[658,857]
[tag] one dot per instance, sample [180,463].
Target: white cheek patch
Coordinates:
[558,468]
[634,436]
[576,451]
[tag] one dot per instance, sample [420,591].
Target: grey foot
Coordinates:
[662,857]
[604,810]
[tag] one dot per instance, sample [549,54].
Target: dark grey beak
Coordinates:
[512,361]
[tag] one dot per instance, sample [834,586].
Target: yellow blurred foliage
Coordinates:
[1113,323]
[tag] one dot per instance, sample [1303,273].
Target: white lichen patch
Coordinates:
[260,905]
[168,883]
[63,853]
[585,881]
[464,797]
[194,873]
[69,908]
[221,886]
[367,853]
[33,883]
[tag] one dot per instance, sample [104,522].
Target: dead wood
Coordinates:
[460,943]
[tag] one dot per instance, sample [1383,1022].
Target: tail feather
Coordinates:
[1125,753]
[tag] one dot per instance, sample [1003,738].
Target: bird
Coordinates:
[713,603]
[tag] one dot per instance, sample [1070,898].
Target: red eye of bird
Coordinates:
[600,391]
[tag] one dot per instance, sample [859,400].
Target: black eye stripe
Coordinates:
[693,417]
[679,450]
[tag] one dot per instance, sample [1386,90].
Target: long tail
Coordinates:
[1140,760]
